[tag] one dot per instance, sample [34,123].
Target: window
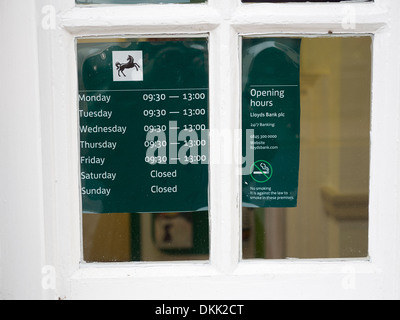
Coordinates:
[143,109]
[319,189]
[135,1]
[362,157]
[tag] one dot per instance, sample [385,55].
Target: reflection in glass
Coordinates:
[123,237]
[331,219]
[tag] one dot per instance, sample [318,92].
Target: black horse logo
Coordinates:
[129,65]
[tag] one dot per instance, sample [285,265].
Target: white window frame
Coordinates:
[225,275]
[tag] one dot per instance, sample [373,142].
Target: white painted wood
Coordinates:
[146,18]
[21,175]
[384,207]
[311,18]
[40,200]
[225,205]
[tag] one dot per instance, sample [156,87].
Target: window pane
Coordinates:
[125,237]
[284,1]
[143,110]
[135,1]
[330,219]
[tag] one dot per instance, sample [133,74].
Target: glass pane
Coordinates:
[330,218]
[284,1]
[135,1]
[124,237]
[143,110]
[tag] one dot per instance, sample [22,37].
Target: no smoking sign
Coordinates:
[261,171]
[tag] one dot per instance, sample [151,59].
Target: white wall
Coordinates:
[21,192]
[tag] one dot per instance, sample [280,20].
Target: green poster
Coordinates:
[271,121]
[143,110]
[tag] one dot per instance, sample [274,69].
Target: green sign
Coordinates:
[271,121]
[143,110]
